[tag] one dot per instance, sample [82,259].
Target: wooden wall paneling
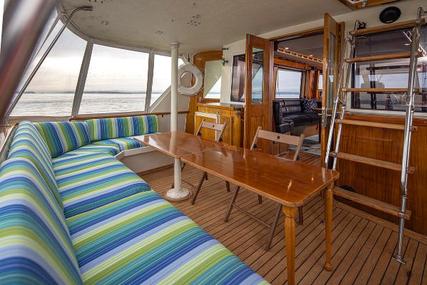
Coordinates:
[227,114]
[258,114]
[383,184]
[200,60]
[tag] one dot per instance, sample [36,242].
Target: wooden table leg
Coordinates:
[329,200]
[290,214]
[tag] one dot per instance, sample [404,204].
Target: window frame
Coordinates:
[302,81]
[390,113]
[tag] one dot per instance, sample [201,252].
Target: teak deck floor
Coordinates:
[363,244]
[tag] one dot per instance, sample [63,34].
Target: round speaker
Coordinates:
[390,15]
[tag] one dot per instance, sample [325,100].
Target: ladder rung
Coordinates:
[371,161]
[371,124]
[379,57]
[376,90]
[384,28]
[370,202]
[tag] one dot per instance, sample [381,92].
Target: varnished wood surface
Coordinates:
[371,203]
[289,183]
[258,114]
[383,184]
[200,60]
[397,55]
[385,28]
[363,244]
[118,115]
[177,144]
[229,114]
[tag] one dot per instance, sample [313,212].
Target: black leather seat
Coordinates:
[289,113]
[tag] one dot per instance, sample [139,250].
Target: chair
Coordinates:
[296,141]
[219,130]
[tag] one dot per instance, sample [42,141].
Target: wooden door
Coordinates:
[332,44]
[258,87]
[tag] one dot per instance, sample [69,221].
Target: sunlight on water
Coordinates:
[60,104]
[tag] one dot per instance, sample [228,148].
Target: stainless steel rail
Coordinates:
[23,24]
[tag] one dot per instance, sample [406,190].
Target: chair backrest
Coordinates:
[279,138]
[216,127]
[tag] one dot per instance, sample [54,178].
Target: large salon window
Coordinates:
[116,81]
[288,84]
[51,91]
[388,74]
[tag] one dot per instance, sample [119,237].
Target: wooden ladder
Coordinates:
[338,120]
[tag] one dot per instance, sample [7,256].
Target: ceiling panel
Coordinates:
[198,25]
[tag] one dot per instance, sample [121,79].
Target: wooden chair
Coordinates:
[288,140]
[219,131]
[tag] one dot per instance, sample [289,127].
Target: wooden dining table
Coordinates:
[290,183]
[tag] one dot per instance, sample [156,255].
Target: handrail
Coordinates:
[118,115]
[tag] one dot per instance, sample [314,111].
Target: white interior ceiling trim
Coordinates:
[197,24]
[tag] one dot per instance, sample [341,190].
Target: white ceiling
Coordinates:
[197,24]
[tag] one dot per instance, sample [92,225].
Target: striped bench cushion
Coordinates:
[86,182]
[144,239]
[62,137]
[35,244]
[110,146]
[111,128]
[122,143]
[94,148]
[28,143]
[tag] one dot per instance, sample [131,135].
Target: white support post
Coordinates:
[177,193]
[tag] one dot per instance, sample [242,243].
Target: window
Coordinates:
[212,81]
[288,84]
[51,91]
[387,74]
[238,80]
[116,81]
[161,76]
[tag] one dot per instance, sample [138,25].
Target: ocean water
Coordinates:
[60,104]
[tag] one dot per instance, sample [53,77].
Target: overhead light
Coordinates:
[406,44]
[286,48]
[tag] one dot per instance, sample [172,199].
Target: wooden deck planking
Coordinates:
[363,247]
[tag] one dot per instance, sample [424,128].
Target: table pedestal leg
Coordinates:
[290,214]
[177,193]
[329,200]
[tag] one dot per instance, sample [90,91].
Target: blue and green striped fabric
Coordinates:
[144,239]
[111,128]
[94,148]
[35,244]
[62,137]
[28,143]
[122,143]
[86,182]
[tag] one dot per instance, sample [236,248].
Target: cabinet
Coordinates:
[229,114]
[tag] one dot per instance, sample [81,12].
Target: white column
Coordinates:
[177,193]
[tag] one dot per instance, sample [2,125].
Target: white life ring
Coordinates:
[198,80]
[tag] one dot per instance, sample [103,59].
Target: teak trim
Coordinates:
[385,28]
[370,3]
[118,115]
[299,34]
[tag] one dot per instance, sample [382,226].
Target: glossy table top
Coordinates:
[290,183]
[177,144]
[287,182]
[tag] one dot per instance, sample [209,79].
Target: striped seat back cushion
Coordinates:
[28,143]
[62,137]
[111,128]
[35,245]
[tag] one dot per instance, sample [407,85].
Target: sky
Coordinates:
[111,69]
